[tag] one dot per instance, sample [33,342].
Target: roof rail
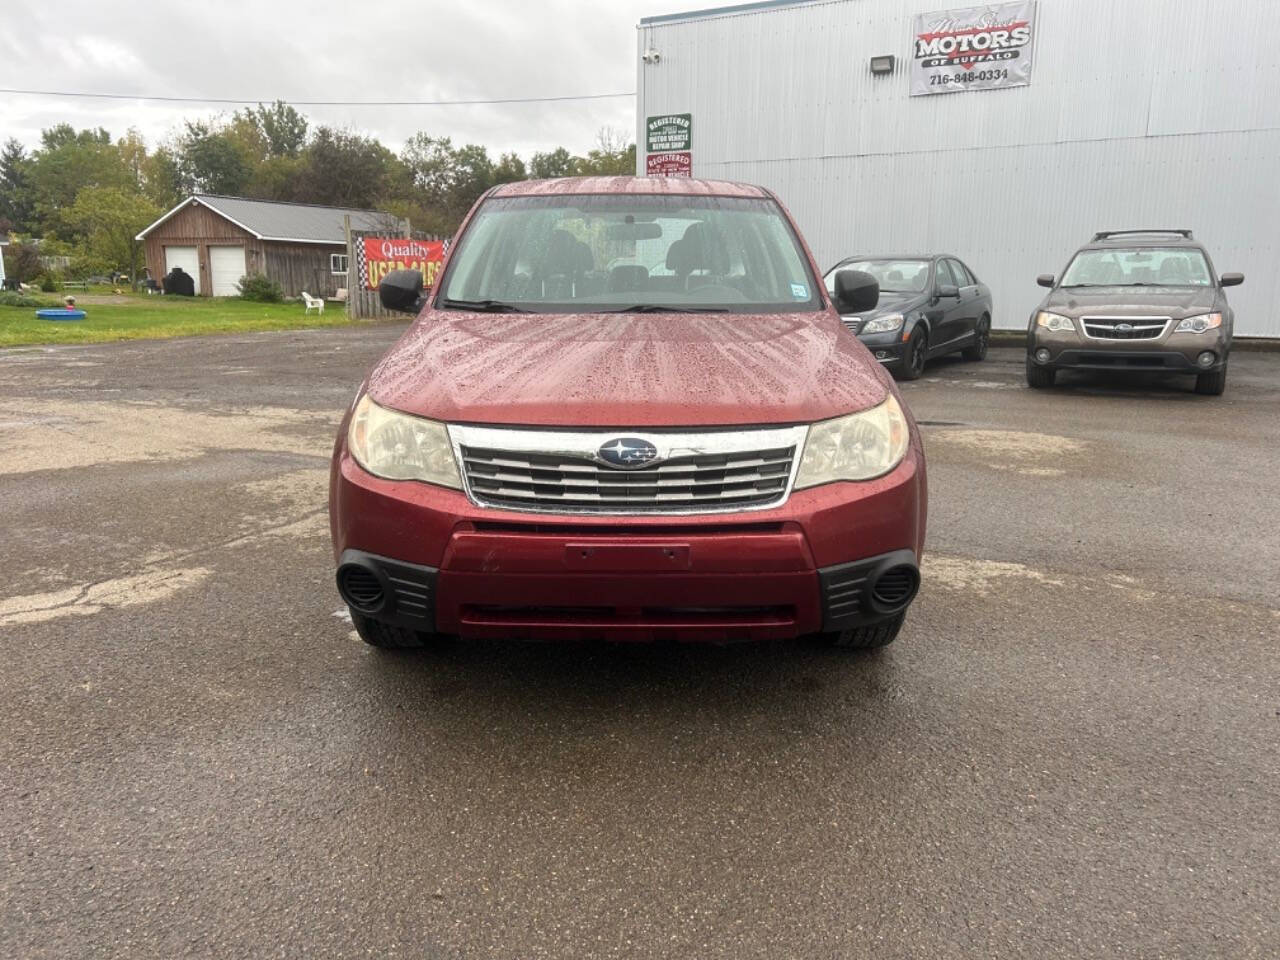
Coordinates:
[1107,234]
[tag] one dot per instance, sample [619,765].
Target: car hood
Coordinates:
[894,303]
[634,370]
[1175,302]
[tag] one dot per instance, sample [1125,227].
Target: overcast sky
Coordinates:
[330,50]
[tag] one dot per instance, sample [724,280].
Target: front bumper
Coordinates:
[885,347]
[809,565]
[1174,352]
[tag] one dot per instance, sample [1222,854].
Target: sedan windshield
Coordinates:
[629,253]
[894,276]
[1137,267]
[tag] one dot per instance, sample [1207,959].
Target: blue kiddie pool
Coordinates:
[60,313]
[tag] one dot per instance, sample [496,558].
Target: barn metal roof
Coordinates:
[291,222]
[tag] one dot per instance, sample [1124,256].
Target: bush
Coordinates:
[48,284]
[12,298]
[261,288]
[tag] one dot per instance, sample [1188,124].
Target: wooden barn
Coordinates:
[218,240]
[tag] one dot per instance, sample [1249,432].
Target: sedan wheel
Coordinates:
[981,338]
[914,356]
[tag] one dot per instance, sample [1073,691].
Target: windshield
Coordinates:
[1138,266]
[584,254]
[894,276]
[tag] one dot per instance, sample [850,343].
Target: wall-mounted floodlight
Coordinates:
[651,56]
[882,65]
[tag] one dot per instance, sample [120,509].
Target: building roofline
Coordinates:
[720,11]
[204,198]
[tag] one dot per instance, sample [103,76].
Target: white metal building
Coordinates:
[1146,113]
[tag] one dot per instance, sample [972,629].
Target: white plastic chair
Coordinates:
[313,303]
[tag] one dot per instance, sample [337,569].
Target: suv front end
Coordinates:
[642,454]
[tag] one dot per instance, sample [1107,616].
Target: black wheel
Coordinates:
[981,338]
[870,637]
[1212,382]
[913,358]
[389,636]
[1039,378]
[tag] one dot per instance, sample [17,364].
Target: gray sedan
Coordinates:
[930,305]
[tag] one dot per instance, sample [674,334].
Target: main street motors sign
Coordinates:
[973,48]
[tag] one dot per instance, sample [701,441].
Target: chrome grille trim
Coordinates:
[1144,328]
[559,471]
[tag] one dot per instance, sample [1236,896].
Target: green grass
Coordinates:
[157,317]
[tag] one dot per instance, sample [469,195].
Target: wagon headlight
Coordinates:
[885,324]
[861,446]
[400,447]
[1206,321]
[1053,322]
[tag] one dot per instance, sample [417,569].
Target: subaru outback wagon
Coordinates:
[628,410]
[1135,300]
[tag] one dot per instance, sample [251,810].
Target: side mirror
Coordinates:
[402,290]
[1045,280]
[945,290]
[856,291]
[1231,280]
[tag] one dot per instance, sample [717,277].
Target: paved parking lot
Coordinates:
[1073,750]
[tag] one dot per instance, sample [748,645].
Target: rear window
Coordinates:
[1138,266]
[586,254]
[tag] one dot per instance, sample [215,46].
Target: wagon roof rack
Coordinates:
[1108,234]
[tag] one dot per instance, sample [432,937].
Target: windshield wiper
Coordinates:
[481,306]
[659,308]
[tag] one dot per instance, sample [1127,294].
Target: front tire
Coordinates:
[387,636]
[981,339]
[1212,383]
[1039,378]
[915,356]
[871,637]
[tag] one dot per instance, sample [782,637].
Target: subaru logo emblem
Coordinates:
[1123,327]
[628,453]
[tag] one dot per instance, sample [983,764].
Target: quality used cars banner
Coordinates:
[378,256]
[973,48]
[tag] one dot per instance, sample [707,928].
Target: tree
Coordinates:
[67,162]
[108,219]
[210,161]
[509,169]
[344,169]
[162,182]
[22,261]
[15,191]
[613,156]
[283,128]
[557,163]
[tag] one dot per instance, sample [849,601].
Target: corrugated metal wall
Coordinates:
[1140,114]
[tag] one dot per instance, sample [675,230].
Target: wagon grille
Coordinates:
[1124,328]
[691,475]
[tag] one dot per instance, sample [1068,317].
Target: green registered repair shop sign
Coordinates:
[671,131]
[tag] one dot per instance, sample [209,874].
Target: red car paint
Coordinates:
[504,573]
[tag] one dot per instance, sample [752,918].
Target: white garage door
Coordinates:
[226,267]
[184,257]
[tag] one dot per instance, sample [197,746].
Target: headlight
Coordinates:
[400,447]
[890,321]
[860,446]
[1054,322]
[1206,321]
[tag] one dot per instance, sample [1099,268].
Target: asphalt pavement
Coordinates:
[1073,750]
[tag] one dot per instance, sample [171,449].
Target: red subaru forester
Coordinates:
[628,410]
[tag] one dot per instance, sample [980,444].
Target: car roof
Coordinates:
[647,186]
[1104,240]
[896,256]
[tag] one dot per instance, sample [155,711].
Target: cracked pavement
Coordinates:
[1070,751]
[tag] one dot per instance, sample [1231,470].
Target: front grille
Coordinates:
[521,479]
[1137,328]
[852,324]
[573,471]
